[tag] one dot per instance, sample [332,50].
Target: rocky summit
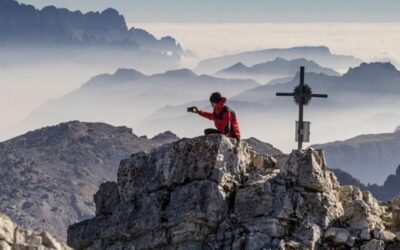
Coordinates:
[13,237]
[212,193]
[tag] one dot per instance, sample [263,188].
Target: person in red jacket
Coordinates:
[224,117]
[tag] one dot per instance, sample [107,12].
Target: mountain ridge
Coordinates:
[48,176]
[361,156]
[58,27]
[271,70]
[109,97]
[320,54]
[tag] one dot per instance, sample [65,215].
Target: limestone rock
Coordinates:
[337,235]
[214,193]
[373,245]
[361,210]
[14,237]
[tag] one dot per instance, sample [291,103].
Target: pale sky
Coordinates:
[240,10]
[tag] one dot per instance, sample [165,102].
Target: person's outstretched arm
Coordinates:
[206,114]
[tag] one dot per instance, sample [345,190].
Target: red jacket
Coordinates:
[224,119]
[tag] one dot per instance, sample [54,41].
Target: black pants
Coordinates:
[211,131]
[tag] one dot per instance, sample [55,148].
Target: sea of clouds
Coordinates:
[367,41]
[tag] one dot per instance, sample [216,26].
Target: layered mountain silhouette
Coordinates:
[128,96]
[278,68]
[48,176]
[318,54]
[22,24]
[389,190]
[354,87]
[354,106]
[29,36]
[369,158]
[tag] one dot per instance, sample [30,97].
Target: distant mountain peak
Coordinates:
[277,67]
[378,70]
[130,74]
[237,67]
[167,135]
[180,73]
[71,129]
[280,59]
[239,64]
[262,147]
[110,11]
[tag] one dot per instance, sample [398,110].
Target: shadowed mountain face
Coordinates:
[268,71]
[128,96]
[388,191]
[345,178]
[32,37]
[320,55]
[48,176]
[22,24]
[369,158]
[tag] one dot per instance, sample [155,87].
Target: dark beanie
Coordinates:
[215,97]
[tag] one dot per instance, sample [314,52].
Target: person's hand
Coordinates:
[193,109]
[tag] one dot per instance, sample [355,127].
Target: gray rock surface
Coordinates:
[13,236]
[212,193]
[48,176]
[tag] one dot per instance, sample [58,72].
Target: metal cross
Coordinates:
[302,96]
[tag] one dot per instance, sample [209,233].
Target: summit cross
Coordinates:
[302,95]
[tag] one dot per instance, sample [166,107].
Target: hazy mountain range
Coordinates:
[32,36]
[48,176]
[354,106]
[354,89]
[369,158]
[128,96]
[389,190]
[268,71]
[22,24]
[154,103]
[320,55]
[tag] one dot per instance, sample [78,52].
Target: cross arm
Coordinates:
[284,94]
[320,95]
